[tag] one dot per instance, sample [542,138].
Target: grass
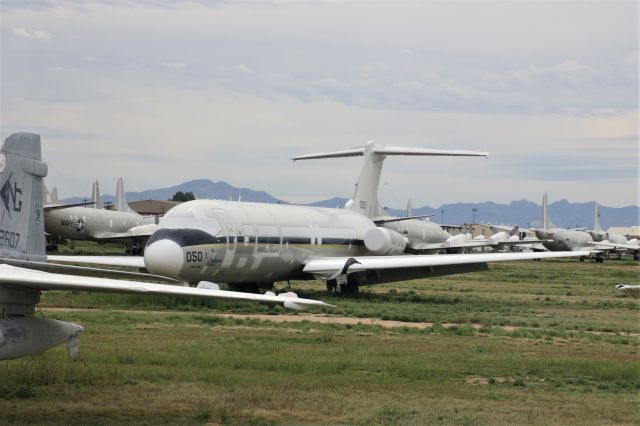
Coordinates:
[528,342]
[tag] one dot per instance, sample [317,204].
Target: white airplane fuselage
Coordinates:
[236,242]
[84,223]
[564,239]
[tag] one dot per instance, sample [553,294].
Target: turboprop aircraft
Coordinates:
[23,270]
[567,239]
[251,245]
[617,243]
[501,240]
[97,224]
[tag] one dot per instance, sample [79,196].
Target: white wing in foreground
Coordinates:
[20,277]
[329,267]
[128,261]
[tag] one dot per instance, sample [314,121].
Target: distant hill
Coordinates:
[522,213]
[202,188]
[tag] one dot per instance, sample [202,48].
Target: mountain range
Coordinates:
[522,213]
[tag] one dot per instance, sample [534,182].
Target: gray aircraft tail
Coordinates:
[96,199]
[546,222]
[121,204]
[365,196]
[596,220]
[22,196]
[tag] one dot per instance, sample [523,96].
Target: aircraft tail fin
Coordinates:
[21,198]
[121,204]
[514,231]
[365,197]
[95,195]
[409,208]
[596,220]
[546,221]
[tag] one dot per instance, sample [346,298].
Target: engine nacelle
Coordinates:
[384,242]
[24,336]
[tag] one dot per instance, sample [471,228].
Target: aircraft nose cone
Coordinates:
[164,257]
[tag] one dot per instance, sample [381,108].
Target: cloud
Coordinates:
[33,35]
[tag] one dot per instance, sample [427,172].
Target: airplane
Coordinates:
[96,224]
[24,273]
[560,239]
[615,242]
[501,240]
[252,245]
[421,234]
[631,290]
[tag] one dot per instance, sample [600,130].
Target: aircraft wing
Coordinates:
[521,242]
[28,278]
[128,261]
[613,246]
[329,268]
[65,206]
[137,232]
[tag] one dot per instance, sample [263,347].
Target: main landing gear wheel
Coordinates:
[350,287]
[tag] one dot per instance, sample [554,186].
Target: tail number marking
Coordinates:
[9,238]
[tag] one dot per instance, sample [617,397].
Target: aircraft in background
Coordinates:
[70,223]
[560,239]
[23,267]
[509,239]
[617,243]
[252,245]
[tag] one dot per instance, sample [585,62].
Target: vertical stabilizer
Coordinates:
[22,195]
[50,197]
[596,220]
[121,199]
[54,195]
[546,222]
[409,208]
[95,195]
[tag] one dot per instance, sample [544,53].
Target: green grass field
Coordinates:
[525,343]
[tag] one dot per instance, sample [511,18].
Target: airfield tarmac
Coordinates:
[525,343]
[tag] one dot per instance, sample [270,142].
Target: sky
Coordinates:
[161,92]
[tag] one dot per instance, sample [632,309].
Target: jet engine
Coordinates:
[384,242]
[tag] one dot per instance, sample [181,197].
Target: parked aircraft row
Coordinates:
[77,222]
[245,245]
[597,242]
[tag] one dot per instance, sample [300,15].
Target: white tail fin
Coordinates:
[596,220]
[409,209]
[121,204]
[95,195]
[21,194]
[546,222]
[365,197]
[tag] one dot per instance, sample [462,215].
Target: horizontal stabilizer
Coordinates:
[392,150]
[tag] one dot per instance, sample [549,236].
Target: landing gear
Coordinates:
[599,258]
[636,256]
[582,258]
[347,286]
[52,248]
